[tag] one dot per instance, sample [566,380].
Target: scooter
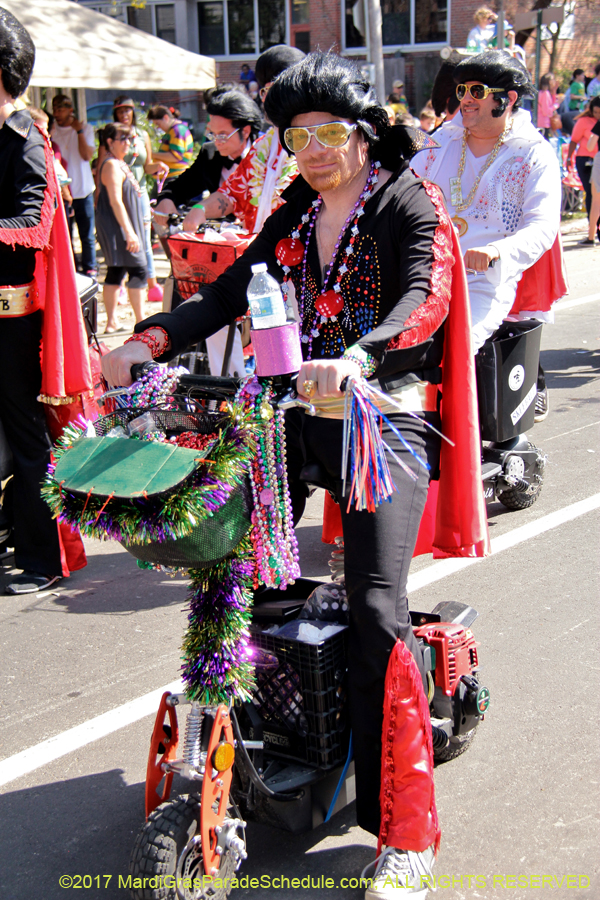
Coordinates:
[507,367]
[284,757]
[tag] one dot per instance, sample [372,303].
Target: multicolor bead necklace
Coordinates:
[291,251]
[155,387]
[272,534]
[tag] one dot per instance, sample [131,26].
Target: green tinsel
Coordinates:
[216,666]
[165,516]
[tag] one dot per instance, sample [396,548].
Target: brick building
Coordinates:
[414,31]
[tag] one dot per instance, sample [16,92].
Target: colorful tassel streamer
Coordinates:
[364,450]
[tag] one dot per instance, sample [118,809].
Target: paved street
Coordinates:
[522,802]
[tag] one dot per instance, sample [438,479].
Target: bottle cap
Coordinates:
[258,268]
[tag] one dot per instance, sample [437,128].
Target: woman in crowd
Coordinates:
[177,145]
[485,29]
[579,145]
[546,103]
[141,162]
[120,224]
[594,218]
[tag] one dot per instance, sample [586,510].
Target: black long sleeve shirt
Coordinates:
[22,186]
[397,316]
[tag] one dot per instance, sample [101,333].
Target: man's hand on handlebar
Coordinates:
[160,214]
[116,365]
[327,375]
[479,259]
[194,219]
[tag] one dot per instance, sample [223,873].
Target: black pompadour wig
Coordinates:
[498,69]
[443,92]
[17,54]
[274,61]
[325,82]
[239,108]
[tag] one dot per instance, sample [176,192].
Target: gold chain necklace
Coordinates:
[456,198]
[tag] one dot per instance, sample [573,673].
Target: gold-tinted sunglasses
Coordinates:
[331,134]
[477,91]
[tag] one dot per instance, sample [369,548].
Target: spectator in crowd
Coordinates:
[584,158]
[593,88]
[42,119]
[120,224]
[484,30]
[594,216]
[75,141]
[177,145]
[577,91]
[141,162]
[397,99]
[443,94]
[233,123]
[546,102]
[427,119]
[246,75]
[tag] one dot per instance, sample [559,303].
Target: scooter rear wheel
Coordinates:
[515,498]
[458,745]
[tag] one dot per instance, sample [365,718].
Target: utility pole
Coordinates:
[375,48]
[500,26]
[538,54]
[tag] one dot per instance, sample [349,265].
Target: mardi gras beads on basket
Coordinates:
[193,441]
[272,533]
[155,387]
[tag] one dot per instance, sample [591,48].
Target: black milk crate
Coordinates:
[302,702]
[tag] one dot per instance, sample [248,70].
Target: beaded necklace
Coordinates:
[291,251]
[272,534]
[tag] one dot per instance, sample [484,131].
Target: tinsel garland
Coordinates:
[217,667]
[164,516]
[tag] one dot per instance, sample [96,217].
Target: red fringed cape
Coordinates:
[65,361]
[65,358]
[543,283]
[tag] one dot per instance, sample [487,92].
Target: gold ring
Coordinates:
[309,387]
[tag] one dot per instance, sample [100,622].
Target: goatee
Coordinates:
[321,183]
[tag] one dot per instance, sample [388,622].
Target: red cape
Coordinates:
[543,283]
[454,521]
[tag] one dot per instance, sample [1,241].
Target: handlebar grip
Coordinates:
[140,369]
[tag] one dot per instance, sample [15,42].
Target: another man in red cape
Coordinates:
[39,306]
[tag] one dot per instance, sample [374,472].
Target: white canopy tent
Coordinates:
[78,48]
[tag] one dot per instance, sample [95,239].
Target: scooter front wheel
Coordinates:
[167,863]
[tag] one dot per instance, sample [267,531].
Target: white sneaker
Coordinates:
[401,874]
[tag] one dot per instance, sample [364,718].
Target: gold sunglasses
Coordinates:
[332,134]
[477,91]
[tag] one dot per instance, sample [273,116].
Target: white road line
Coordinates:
[47,751]
[561,306]
[504,542]
[61,744]
[573,431]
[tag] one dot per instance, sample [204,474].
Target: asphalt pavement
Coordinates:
[519,810]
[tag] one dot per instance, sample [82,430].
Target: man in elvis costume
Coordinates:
[39,310]
[501,183]
[380,290]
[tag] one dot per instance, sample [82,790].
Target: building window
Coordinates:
[299,12]
[430,21]
[210,23]
[242,27]
[165,22]
[302,41]
[158,19]
[404,22]
[140,18]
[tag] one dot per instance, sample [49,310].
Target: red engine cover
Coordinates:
[455,652]
[197,261]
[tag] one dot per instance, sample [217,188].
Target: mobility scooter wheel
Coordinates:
[165,852]
[519,497]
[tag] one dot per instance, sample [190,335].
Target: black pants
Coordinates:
[36,541]
[378,549]
[585,174]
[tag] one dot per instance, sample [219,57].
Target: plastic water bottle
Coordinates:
[265,299]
